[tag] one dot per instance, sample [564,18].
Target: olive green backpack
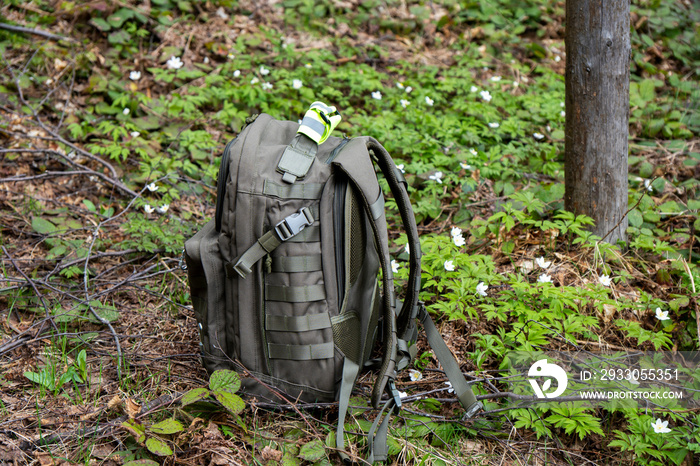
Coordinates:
[284,280]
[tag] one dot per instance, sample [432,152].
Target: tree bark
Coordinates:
[597,113]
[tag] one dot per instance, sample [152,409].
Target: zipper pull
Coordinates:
[268,264]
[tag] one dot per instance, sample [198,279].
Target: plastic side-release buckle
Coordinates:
[294,223]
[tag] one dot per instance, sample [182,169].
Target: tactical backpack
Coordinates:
[284,280]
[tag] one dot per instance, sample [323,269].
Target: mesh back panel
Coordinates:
[346,336]
[357,239]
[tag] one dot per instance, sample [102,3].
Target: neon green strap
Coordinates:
[316,126]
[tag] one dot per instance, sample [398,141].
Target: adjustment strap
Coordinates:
[377,207]
[296,263]
[283,231]
[310,234]
[295,294]
[316,126]
[304,323]
[450,366]
[350,371]
[301,352]
[377,443]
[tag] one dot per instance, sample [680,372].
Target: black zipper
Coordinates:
[338,224]
[335,151]
[221,183]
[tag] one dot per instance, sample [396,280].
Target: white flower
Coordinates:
[206,60]
[254,81]
[401,167]
[481,288]
[494,125]
[455,231]
[562,104]
[429,101]
[459,240]
[403,394]
[394,266]
[495,78]
[647,184]
[400,85]
[605,280]
[236,73]
[473,151]
[449,266]
[660,427]
[542,263]
[267,86]
[152,187]
[437,176]
[661,315]
[549,129]
[308,66]
[297,84]
[174,63]
[126,111]
[563,113]
[449,387]
[538,136]
[544,278]
[163,209]
[516,84]
[557,58]
[231,56]
[414,375]
[135,75]
[404,103]
[49,82]
[407,248]
[264,71]
[148,209]
[465,165]
[473,89]
[408,89]
[135,134]
[377,95]
[486,95]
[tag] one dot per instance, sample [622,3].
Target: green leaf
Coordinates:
[90,206]
[193,396]
[137,430]
[166,427]
[231,401]
[43,226]
[100,24]
[158,447]
[312,451]
[225,380]
[635,218]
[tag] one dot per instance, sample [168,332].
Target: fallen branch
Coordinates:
[35,32]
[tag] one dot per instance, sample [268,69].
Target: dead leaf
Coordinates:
[608,312]
[59,64]
[132,408]
[271,454]
[114,402]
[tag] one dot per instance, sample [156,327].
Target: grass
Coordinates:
[471,95]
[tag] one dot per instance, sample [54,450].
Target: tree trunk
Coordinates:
[597,112]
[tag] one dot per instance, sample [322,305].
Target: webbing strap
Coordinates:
[316,126]
[350,371]
[450,366]
[295,294]
[309,234]
[303,323]
[377,443]
[307,191]
[301,352]
[377,207]
[296,263]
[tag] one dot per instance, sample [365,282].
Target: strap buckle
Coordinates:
[293,224]
[395,394]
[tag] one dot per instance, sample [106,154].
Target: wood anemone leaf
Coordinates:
[43,226]
[158,447]
[193,396]
[231,401]
[138,431]
[141,463]
[312,451]
[166,427]
[225,380]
